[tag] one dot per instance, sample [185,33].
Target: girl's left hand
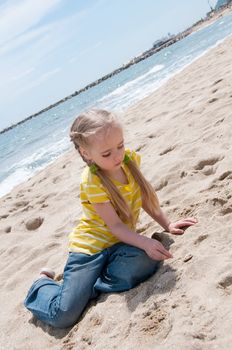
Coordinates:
[178,227]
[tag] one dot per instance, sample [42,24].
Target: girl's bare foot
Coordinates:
[46,272]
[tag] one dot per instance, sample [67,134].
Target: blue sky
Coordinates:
[51,48]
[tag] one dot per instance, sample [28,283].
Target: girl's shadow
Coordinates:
[57,333]
[163,280]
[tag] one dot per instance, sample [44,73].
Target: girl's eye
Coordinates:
[106,155]
[121,146]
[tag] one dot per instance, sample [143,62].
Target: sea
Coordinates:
[31,146]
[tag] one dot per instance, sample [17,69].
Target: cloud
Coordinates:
[46,75]
[38,42]
[16,17]
[32,84]
[40,80]
[23,40]
[84,52]
[23,74]
[35,36]
[32,49]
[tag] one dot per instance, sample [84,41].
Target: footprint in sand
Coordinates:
[21,205]
[222,203]
[218,200]
[214,99]
[206,165]
[151,136]
[56,179]
[4,216]
[161,185]
[42,202]
[226,174]
[217,81]
[183,174]
[225,282]
[200,239]
[8,229]
[41,180]
[219,121]
[226,211]
[44,205]
[34,223]
[167,150]
[140,147]
[208,170]
[210,161]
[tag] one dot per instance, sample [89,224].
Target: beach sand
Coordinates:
[184,133]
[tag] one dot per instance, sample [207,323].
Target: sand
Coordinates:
[184,133]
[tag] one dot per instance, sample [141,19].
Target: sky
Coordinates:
[51,48]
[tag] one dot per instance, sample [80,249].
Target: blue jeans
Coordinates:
[115,269]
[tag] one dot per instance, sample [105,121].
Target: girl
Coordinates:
[105,252]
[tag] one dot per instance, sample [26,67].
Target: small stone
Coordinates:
[35,223]
[187,257]
[8,229]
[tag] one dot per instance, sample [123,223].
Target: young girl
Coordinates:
[105,252]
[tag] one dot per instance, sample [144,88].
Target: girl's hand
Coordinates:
[155,250]
[178,227]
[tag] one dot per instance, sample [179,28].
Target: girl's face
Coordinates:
[106,149]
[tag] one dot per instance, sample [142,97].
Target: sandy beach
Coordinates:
[183,132]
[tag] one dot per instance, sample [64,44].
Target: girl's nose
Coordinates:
[118,157]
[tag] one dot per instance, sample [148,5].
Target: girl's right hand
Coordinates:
[155,250]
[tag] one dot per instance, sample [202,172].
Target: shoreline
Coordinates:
[22,181]
[183,132]
[212,17]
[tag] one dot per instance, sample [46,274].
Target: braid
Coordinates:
[117,199]
[86,125]
[75,137]
[148,193]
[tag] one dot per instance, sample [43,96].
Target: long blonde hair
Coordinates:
[88,124]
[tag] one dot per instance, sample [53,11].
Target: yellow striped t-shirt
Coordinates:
[92,235]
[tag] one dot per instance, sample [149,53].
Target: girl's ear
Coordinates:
[85,154]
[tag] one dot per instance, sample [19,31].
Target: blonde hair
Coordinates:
[88,124]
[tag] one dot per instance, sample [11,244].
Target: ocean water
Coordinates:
[29,147]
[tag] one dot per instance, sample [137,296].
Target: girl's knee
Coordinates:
[64,319]
[129,268]
[142,261]
[148,262]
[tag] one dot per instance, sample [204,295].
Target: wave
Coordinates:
[29,166]
[21,160]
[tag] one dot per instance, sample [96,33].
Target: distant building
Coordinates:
[162,41]
[221,3]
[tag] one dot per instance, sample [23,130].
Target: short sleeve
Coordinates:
[134,156]
[94,190]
